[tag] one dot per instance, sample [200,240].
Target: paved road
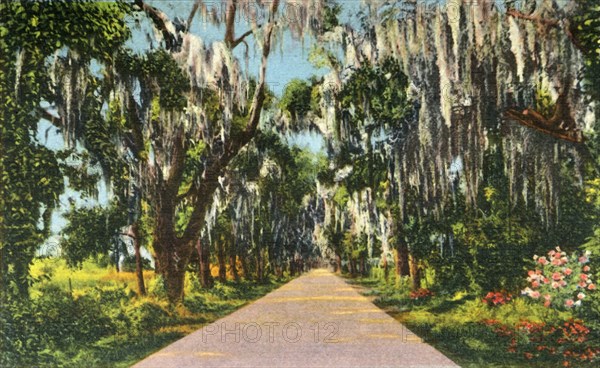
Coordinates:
[316,320]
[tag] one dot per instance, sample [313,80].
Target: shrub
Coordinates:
[496,298]
[560,281]
[568,341]
[68,320]
[22,340]
[156,287]
[420,295]
[146,317]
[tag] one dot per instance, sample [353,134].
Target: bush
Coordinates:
[568,342]
[22,340]
[146,317]
[420,295]
[496,298]
[560,281]
[68,320]
[224,291]
[156,287]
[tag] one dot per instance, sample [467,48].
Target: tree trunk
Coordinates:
[222,264]
[415,273]
[352,267]
[259,266]
[386,270]
[233,267]
[338,262]
[363,265]
[206,280]
[245,270]
[117,257]
[139,269]
[402,264]
[173,256]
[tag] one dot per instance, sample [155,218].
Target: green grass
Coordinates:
[453,324]
[145,324]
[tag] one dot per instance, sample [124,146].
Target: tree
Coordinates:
[32,175]
[296,98]
[91,232]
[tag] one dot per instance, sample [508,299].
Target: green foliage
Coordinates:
[20,337]
[146,317]
[331,13]
[375,92]
[129,264]
[586,28]
[32,176]
[92,231]
[296,99]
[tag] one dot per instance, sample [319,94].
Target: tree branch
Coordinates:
[161,22]
[548,23]
[192,14]
[219,164]
[534,18]
[242,37]
[55,120]
[230,22]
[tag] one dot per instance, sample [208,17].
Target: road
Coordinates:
[316,320]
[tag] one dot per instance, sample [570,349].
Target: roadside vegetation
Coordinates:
[92,316]
[503,328]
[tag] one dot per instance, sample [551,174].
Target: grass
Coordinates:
[453,324]
[160,323]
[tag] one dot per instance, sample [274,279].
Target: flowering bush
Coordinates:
[568,341]
[560,281]
[496,298]
[421,294]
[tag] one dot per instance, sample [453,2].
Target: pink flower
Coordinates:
[531,273]
[583,259]
[580,296]
[569,303]
[556,262]
[564,260]
[556,276]
[546,280]
[535,294]
[583,276]
[568,271]
[551,253]
[586,268]
[547,297]
[563,283]
[543,261]
[592,287]
[555,285]
[547,303]
[557,255]
[535,284]
[582,284]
